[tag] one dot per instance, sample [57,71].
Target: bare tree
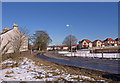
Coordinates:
[70,40]
[18,41]
[5,48]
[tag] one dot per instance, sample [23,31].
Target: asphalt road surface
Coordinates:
[107,65]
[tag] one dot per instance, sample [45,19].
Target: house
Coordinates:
[98,43]
[85,43]
[117,41]
[64,47]
[103,45]
[110,42]
[57,47]
[49,48]
[54,48]
[75,46]
[13,40]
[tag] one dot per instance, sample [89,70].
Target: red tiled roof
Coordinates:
[64,46]
[109,39]
[117,39]
[79,41]
[88,41]
[98,40]
[75,44]
[72,45]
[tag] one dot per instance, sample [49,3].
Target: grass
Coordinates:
[11,66]
[38,77]
[14,78]
[8,76]
[18,73]
[54,73]
[46,76]
[62,79]
[78,78]
[9,72]
[34,73]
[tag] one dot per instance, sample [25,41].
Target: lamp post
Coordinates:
[70,37]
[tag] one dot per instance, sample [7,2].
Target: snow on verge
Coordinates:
[28,71]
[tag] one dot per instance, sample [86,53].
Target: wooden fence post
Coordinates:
[102,54]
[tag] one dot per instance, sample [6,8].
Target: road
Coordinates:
[106,65]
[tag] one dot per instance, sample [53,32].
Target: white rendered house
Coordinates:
[12,40]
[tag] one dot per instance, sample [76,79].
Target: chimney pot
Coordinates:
[15,26]
[6,29]
[0,32]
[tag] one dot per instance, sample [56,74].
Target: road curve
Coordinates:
[106,65]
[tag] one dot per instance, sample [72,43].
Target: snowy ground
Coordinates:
[88,54]
[28,71]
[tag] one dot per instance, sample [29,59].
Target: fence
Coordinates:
[106,51]
[99,55]
[93,55]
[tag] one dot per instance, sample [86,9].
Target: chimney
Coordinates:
[6,29]
[0,32]
[15,26]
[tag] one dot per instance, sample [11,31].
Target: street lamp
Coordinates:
[70,37]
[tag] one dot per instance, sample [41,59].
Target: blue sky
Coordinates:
[90,20]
